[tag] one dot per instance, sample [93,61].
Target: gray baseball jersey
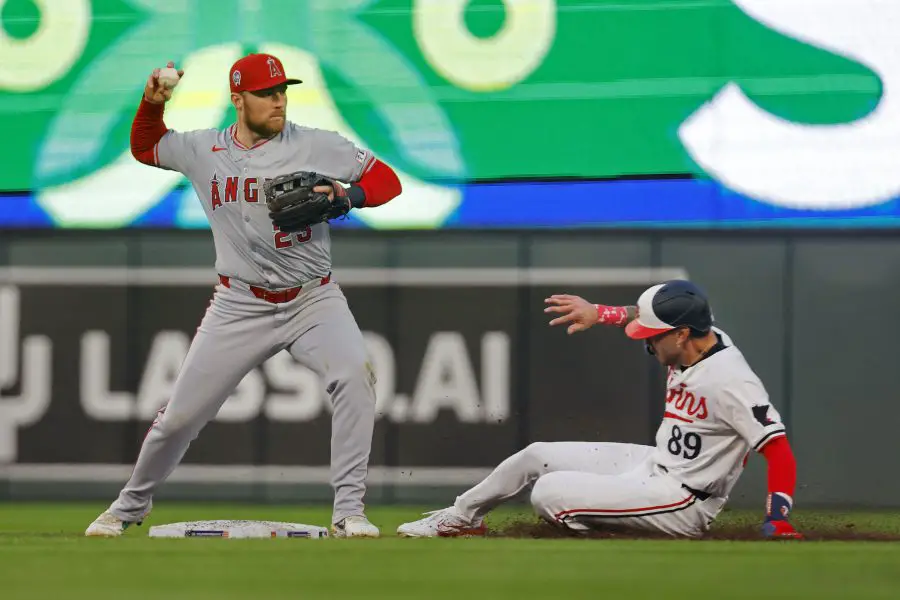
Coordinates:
[316,326]
[228,178]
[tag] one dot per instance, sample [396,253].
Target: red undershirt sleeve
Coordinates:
[782,471]
[380,184]
[147,129]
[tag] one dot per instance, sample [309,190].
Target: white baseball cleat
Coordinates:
[443,523]
[107,525]
[355,526]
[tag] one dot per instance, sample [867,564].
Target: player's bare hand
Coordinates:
[155,92]
[575,311]
[336,192]
[325,189]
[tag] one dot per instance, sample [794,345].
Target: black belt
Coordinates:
[701,496]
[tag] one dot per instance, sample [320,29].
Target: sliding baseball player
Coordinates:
[716,412]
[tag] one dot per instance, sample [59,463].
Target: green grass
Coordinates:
[42,555]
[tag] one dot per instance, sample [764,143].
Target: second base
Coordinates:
[238,529]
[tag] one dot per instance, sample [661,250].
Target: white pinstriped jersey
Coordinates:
[716,412]
[228,178]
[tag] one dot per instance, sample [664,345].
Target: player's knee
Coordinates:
[177,425]
[356,371]
[535,457]
[169,427]
[545,496]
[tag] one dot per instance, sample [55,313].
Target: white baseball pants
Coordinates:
[584,484]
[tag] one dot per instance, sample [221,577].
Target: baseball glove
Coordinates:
[293,205]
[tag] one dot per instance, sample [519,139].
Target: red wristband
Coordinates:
[612,315]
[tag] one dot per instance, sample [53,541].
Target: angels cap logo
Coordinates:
[274,71]
[236,78]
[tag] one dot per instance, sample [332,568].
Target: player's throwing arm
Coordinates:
[269,188]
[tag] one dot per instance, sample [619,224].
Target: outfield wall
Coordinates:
[94,326]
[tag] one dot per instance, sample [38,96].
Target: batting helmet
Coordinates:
[669,305]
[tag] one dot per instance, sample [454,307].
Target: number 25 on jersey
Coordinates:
[286,240]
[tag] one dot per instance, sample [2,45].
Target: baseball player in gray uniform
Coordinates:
[275,289]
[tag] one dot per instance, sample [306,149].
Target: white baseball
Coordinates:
[168,77]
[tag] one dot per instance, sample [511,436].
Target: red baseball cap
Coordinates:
[258,72]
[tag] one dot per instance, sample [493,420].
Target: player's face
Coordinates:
[264,111]
[669,347]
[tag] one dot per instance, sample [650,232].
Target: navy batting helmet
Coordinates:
[669,305]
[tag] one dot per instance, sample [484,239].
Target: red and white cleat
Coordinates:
[443,523]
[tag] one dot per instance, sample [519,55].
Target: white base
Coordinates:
[238,529]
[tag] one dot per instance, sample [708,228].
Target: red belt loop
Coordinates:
[225,281]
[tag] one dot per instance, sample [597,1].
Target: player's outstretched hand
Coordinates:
[155,91]
[575,311]
[776,525]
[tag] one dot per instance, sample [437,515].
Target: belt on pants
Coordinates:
[700,494]
[280,296]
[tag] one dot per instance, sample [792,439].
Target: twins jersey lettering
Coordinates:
[717,411]
[228,178]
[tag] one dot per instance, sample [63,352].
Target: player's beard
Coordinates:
[265,128]
[664,356]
